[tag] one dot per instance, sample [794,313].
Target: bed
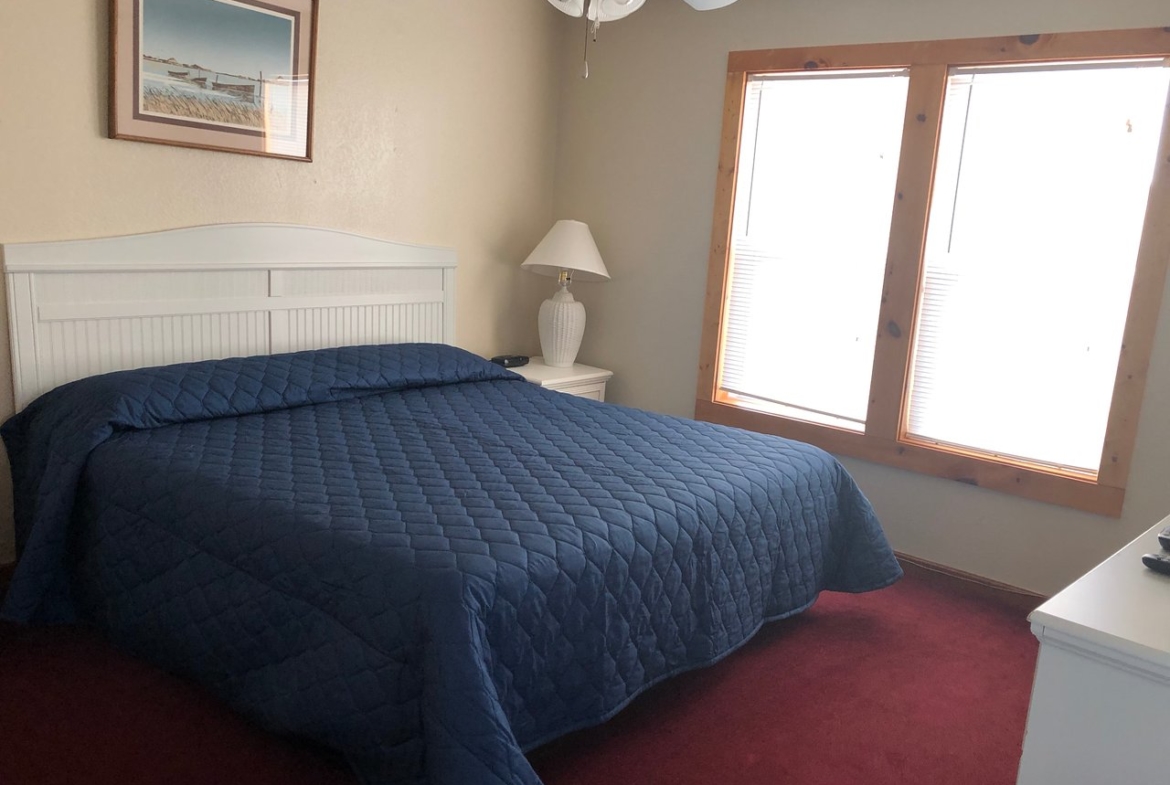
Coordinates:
[400,550]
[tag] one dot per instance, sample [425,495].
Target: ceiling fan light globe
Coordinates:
[612,10]
[571,7]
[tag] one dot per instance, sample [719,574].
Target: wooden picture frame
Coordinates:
[230,75]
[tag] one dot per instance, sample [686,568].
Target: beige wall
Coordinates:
[435,123]
[636,160]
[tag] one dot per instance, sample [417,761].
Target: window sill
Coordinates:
[1052,487]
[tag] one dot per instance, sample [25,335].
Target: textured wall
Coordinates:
[435,123]
[637,158]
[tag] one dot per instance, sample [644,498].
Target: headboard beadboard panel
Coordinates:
[86,307]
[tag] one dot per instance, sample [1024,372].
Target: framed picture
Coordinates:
[233,75]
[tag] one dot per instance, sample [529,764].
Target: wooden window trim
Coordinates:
[885,440]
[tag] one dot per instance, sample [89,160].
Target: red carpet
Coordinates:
[925,682]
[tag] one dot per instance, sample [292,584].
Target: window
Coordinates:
[938,256]
[811,140]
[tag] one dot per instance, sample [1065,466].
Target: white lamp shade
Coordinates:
[708,5]
[568,246]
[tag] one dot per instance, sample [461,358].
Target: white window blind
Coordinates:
[817,174]
[1040,195]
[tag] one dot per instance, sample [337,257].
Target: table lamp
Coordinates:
[566,252]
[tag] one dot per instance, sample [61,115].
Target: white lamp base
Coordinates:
[562,326]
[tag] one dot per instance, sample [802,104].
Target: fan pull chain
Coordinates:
[585,70]
[589,28]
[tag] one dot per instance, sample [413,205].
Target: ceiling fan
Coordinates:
[598,11]
[612,10]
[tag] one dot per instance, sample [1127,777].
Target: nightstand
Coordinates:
[584,381]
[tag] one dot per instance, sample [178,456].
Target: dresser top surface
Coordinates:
[1120,604]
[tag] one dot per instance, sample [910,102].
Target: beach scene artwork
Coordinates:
[223,64]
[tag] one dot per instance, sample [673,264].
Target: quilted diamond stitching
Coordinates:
[404,553]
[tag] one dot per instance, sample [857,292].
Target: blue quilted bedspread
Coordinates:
[411,555]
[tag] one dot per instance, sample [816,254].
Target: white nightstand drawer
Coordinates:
[594,391]
[584,381]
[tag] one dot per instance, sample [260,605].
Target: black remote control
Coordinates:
[1164,538]
[1158,562]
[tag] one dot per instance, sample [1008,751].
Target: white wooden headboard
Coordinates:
[86,307]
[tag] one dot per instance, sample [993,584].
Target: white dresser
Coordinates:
[1100,712]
